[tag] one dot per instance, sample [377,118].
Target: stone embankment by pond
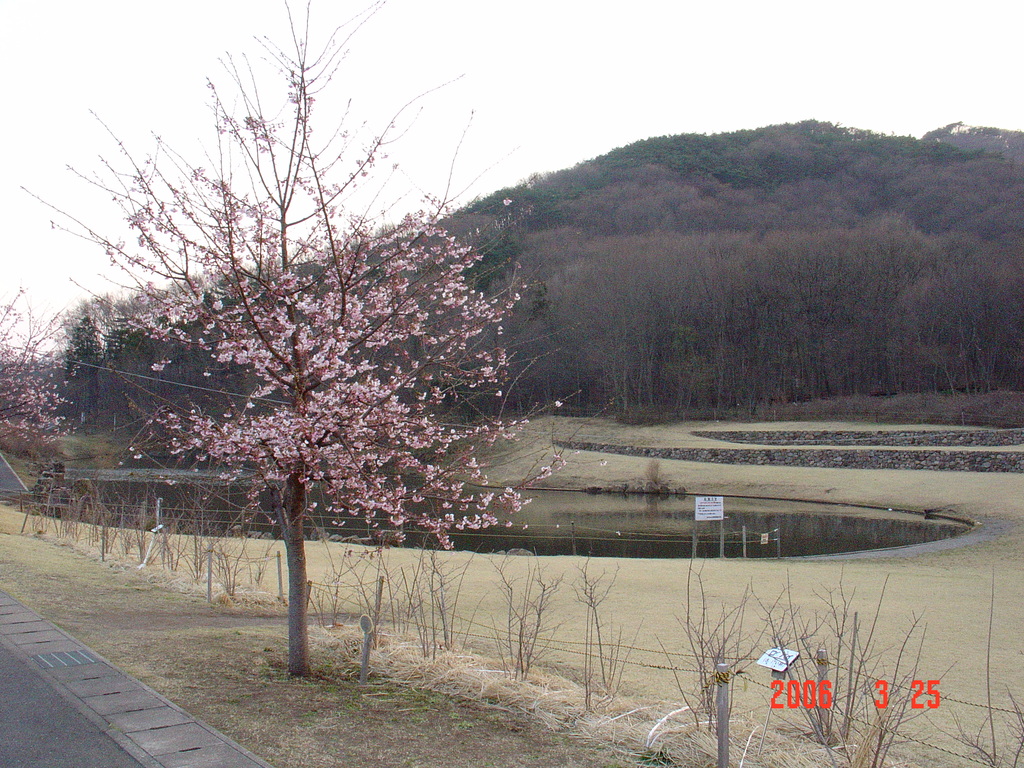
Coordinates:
[919,437]
[876,457]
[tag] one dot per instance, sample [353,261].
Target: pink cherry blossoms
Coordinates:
[357,334]
[28,399]
[361,337]
[355,352]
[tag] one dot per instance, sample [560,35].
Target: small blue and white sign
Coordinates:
[778,659]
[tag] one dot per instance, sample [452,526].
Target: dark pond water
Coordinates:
[639,526]
[566,523]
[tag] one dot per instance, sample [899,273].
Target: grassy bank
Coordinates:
[942,599]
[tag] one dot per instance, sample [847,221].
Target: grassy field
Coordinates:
[946,593]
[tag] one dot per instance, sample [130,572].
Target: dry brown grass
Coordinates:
[225,664]
[949,590]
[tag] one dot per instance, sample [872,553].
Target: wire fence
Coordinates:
[422,599]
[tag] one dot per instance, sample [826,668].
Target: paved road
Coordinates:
[9,481]
[38,725]
[63,706]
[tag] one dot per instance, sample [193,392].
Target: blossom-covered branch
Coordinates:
[361,334]
[28,398]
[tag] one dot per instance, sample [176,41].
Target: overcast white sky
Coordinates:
[549,83]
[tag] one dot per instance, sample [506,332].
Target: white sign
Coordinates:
[778,659]
[764,538]
[708,508]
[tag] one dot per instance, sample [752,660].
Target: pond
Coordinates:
[607,525]
[574,522]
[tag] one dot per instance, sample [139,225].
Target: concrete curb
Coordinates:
[153,730]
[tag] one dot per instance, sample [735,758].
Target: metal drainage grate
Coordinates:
[62,659]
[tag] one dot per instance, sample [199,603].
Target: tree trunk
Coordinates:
[292,513]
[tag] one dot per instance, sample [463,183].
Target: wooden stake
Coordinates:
[722,713]
[821,660]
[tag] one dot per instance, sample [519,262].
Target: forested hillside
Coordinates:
[686,273]
[772,265]
[1009,144]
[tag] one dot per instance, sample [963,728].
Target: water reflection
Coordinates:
[559,523]
[567,523]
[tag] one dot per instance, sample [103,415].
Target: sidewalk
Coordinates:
[64,706]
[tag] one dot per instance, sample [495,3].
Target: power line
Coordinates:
[178,383]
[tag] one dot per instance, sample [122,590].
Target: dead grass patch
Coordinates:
[949,589]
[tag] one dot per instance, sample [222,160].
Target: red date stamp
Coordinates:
[809,694]
[923,694]
[792,694]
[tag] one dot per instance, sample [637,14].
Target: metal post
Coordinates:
[778,542]
[744,541]
[572,533]
[209,575]
[722,713]
[721,537]
[693,547]
[280,579]
[376,607]
[365,624]
[160,531]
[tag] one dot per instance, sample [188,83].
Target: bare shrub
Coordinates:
[228,564]
[998,741]
[653,480]
[354,586]
[527,600]
[424,600]
[605,655]
[260,563]
[714,635]
[861,672]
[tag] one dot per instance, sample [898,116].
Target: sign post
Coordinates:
[711,508]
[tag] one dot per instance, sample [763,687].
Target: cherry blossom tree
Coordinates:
[360,333]
[28,398]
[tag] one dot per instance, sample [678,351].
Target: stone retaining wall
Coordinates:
[987,437]
[956,461]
